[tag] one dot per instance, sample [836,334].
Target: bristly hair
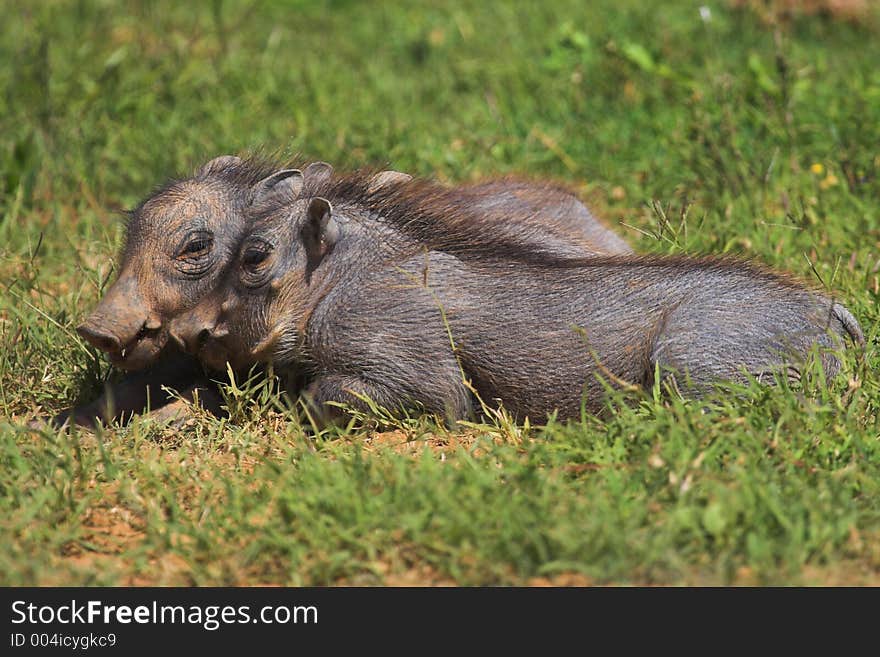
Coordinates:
[246,171]
[237,173]
[435,217]
[440,218]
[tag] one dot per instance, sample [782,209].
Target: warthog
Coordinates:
[182,240]
[400,294]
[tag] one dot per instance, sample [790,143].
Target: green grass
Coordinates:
[727,136]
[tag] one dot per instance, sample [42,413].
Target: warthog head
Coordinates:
[179,243]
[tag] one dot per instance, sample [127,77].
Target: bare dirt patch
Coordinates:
[401,443]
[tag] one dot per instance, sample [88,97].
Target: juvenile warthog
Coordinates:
[182,239]
[179,242]
[401,295]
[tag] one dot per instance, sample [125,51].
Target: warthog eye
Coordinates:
[193,253]
[254,257]
[255,253]
[255,260]
[197,247]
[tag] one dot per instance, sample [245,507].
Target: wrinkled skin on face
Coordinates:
[233,325]
[171,257]
[179,243]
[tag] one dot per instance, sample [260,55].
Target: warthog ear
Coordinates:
[317,173]
[287,182]
[384,178]
[218,164]
[320,232]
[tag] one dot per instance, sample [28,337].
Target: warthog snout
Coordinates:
[200,332]
[99,337]
[123,327]
[191,330]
